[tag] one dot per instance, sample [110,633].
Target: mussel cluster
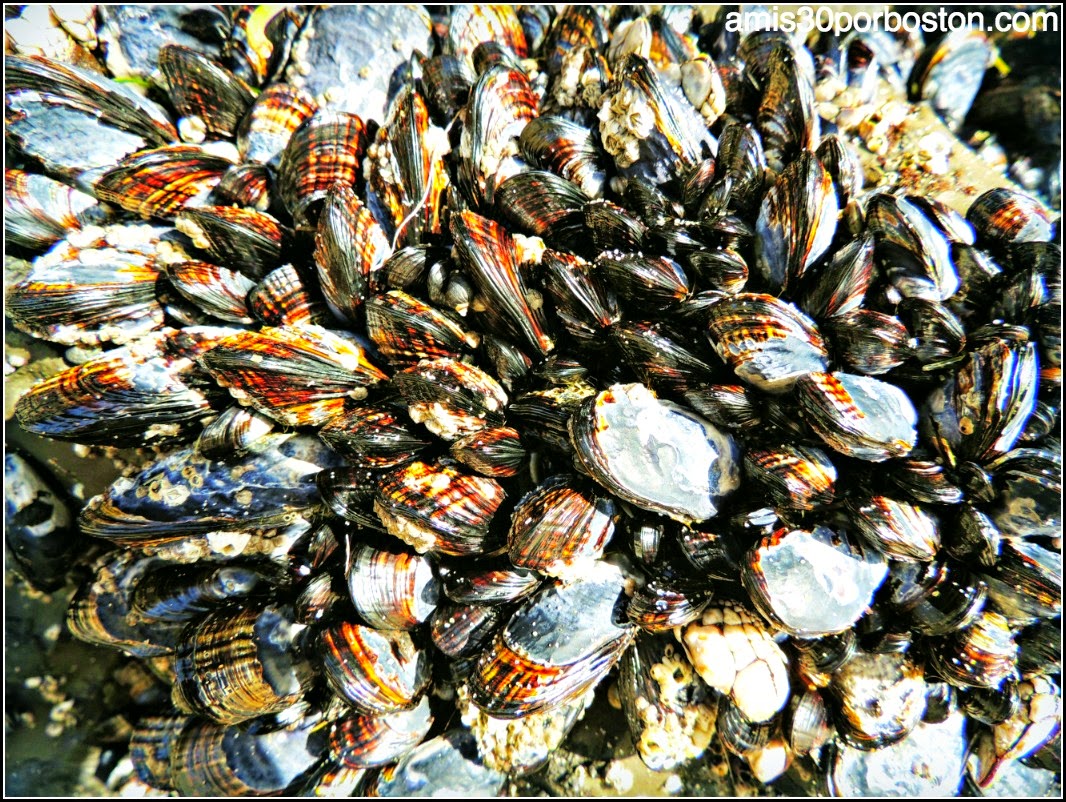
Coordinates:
[484,353]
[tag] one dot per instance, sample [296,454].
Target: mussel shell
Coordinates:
[724,270]
[296,375]
[938,334]
[275,115]
[159,182]
[769,343]
[574,27]
[99,611]
[742,162]
[181,593]
[436,507]
[39,210]
[980,656]
[567,149]
[925,481]
[671,714]
[487,252]
[407,330]
[859,416]
[583,302]
[496,452]
[451,398]
[248,240]
[286,297]
[650,128]
[558,645]
[659,360]
[806,722]
[148,392]
[218,291]
[1026,582]
[787,120]
[546,414]
[655,283]
[1039,648]
[989,705]
[729,405]
[406,170]
[818,658]
[349,246]
[471,25]
[34,118]
[365,741]
[953,225]
[664,603]
[490,584]
[743,738]
[612,227]
[235,666]
[185,493]
[912,252]
[559,526]
[843,165]
[900,530]
[546,206]
[501,104]
[244,51]
[464,630]
[151,742]
[390,590]
[96,295]
[1003,215]
[1028,485]
[797,221]
[794,476]
[248,185]
[981,410]
[879,698]
[378,672]
[348,492]
[117,105]
[328,148]
[973,537]
[447,81]
[812,583]
[631,443]
[372,437]
[210,98]
[839,285]
[209,759]
[938,597]
[869,342]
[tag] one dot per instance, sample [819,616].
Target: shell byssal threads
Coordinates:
[493,358]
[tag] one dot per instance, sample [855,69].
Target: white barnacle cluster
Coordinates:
[734,653]
[379,154]
[626,119]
